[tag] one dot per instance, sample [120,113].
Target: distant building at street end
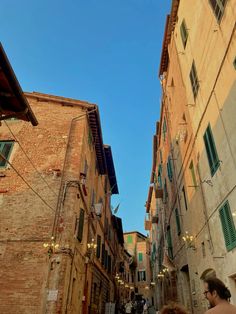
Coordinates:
[138,246]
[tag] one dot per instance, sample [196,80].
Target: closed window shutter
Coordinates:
[169,169]
[81,225]
[140,257]
[177,221]
[164,129]
[228,226]
[211,151]
[129,239]
[5,150]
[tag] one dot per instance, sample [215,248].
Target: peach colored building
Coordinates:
[194,157]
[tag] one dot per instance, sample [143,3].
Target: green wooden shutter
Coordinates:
[81,225]
[140,257]
[5,150]
[211,151]
[169,169]
[177,221]
[165,192]
[228,226]
[129,239]
[164,129]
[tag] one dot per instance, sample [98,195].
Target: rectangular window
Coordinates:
[177,219]
[185,199]
[129,239]
[5,150]
[140,257]
[191,168]
[98,253]
[228,226]
[159,179]
[169,242]
[184,33]
[103,254]
[194,80]
[203,249]
[169,169]
[142,275]
[211,151]
[160,256]
[81,225]
[218,7]
[165,193]
[164,129]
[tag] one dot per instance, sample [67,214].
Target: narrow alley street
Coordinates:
[118,157]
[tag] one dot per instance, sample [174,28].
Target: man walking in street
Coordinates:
[218,296]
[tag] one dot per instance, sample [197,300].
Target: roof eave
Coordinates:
[23,110]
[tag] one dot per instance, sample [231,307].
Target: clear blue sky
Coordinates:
[102,51]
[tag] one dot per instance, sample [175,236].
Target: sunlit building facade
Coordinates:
[194,157]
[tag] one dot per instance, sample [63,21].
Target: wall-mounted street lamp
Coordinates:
[51,246]
[189,241]
[92,245]
[162,273]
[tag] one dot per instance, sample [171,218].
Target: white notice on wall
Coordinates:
[52,295]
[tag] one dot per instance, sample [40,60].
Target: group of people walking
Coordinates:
[215,291]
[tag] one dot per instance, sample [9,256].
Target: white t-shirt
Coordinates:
[128,307]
